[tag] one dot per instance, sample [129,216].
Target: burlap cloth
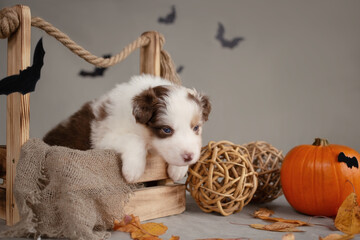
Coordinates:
[66,193]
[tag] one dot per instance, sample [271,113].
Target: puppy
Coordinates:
[145,113]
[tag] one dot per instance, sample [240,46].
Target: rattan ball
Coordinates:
[223,180]
[267,161]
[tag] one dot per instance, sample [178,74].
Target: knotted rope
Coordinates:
[9,23]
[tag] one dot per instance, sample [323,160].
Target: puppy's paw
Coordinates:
[130,175]
[133,170]
[177,173]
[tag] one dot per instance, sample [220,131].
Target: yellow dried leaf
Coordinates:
[174,238]
[277,227]
[336,236]
[348,217]
[288,236]
[154,229]
[139,234]
[264,212]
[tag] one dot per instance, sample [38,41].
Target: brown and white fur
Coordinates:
[145,113]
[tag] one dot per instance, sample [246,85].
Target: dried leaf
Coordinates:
[264,217]
[277,227]
[174,238]
[280,225]
[149,230]
[336,236]
[348,217]
[146,231]
[298,222]
[288,236]
[263,212]
[148,238]
[224,239]
[140,235]
[128,224]
[210,239]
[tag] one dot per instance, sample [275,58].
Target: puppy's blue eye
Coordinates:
[166,130]
[196,128]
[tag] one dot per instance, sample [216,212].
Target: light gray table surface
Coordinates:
[196,224]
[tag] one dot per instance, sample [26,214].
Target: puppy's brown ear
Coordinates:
[143,106]
[203,102]
[149,104]
[206,107]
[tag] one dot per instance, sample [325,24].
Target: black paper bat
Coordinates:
[26,80]
[170,18]
[180,69]
[96,72]
[224,42]
[350,162]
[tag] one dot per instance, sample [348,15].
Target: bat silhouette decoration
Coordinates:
[180,69]
[26,80]
[225,42]
[96,72]
[350,162]
[170,18]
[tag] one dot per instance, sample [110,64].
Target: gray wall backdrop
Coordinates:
[296,76]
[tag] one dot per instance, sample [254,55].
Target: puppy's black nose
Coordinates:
[187,156]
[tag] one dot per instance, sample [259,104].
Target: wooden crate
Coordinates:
[163,198]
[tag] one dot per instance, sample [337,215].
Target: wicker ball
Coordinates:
[266,160]
[223,180]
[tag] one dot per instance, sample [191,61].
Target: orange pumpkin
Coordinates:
[316,178]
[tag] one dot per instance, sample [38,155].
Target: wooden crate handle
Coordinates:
[18,107]
[150,55]
[156,167]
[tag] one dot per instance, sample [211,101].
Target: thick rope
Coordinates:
[81,52]
[9,22]
[167,68]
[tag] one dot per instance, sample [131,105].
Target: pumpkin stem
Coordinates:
[321,142]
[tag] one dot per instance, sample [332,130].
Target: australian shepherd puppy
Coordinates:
[145,113]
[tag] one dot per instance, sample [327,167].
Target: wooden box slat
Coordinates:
[155,202]
[155,169]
